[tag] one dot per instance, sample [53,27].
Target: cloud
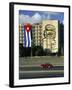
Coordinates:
[47,15]
[36,18]
[52,13]
[63,21]
[24,19]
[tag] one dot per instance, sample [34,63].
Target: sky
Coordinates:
[26,16]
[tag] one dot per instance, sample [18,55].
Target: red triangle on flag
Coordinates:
[27,27]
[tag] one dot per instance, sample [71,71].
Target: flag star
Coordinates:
[27,28]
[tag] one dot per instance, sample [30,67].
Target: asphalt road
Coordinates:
[40,74]
[38,68]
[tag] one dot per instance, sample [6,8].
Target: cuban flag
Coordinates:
[27,35]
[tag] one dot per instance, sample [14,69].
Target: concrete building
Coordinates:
[45,34]
[37,34]
[21,33]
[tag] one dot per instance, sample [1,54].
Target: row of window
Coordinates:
[34,33]
[33,30]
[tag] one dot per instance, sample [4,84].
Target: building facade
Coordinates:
[37,34]
[21,34]
[45,34]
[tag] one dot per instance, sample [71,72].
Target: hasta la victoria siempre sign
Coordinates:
[50,35]
[51,38]
[49,30]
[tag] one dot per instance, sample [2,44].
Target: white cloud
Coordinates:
[43,16]
[47,15]
[36,18]
[24,19]
[63,21]
[52,13]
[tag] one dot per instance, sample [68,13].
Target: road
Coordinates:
[41,74]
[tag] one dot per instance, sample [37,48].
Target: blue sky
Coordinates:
[26,16]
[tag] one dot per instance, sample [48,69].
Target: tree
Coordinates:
[37,51]
[61,38]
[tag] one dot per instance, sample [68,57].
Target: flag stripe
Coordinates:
[24,38]
[30,38]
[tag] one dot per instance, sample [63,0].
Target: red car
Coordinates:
[47,65]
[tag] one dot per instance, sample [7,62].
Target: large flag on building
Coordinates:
[27,35]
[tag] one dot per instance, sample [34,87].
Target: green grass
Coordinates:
[57,61]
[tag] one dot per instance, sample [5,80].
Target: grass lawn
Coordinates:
[37,60]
